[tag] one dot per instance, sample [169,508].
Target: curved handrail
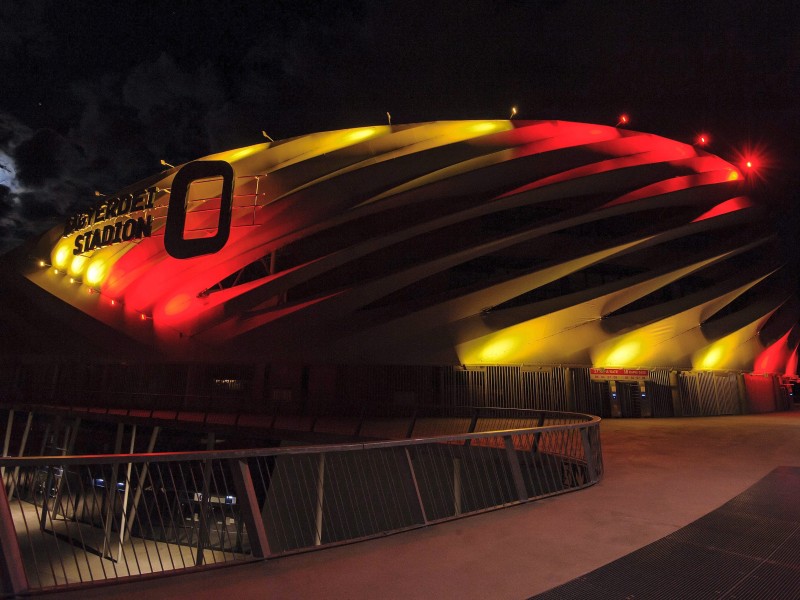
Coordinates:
[99,517]
[291,450]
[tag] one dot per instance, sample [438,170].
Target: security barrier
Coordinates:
[67,520]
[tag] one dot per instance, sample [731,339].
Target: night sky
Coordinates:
[94,94]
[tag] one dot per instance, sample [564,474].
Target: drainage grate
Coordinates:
[747,548]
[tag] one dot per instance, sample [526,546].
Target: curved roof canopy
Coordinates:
[469,242]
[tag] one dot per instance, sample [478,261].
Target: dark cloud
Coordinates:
[34,208]
[237,124]
[24,34]
[6,135]
[39,173]
[39,158]
[93,96]
[5,200]
[12,131]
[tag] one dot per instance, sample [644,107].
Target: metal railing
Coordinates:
[67,520]
[375,422]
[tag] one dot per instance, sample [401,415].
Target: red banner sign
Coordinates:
[619,374]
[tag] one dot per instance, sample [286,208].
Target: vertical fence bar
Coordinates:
[250,513]
[587,453]
[538,434]
[473,422]
[411,424]
[320,499]
[125,496]
[516,472]
[143,477]
[48,482]
[205,505]
[70,436]
[110,487]
[457,485]
[416,485]
[70,445]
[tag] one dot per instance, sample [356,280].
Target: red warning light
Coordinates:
[623,120]
[751,165]
[753,160]
[703,139]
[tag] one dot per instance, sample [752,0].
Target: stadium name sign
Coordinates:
[139,224]
[122,230]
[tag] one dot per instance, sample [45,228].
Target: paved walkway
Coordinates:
[747,548]
[661,474]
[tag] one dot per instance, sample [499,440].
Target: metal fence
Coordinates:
[331,390]
[71,520]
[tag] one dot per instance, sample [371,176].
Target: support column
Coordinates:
[645,405]
[12,572]
[125,496]
[742,388]
[777,393]
[22,446]
[569,391]
[675,391]
[9,427]
[616,406]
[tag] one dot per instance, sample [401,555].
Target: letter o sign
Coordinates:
[175,244]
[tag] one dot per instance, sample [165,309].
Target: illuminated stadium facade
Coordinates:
[542,264]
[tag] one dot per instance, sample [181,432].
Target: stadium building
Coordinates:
[518,264]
